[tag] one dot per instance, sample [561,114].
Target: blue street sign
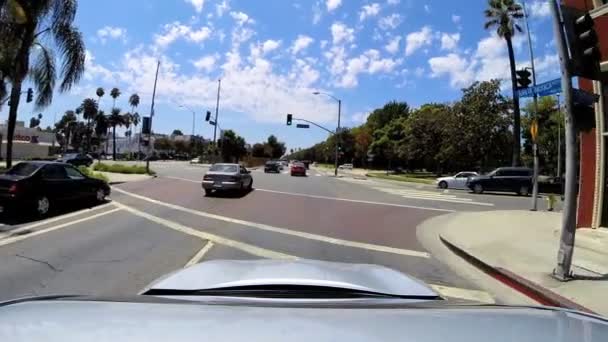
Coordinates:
[302,125]
[543,89]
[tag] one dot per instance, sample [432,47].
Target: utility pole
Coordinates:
[566,245]
[535,119]
[337,139]
[559,141]
[217,108]
[151,116]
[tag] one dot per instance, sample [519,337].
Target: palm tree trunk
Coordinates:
[114,143]
[516,161]
[12,120]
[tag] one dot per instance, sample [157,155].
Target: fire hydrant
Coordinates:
[551,202]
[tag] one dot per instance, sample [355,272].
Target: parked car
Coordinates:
[43,185]
[511,179]
[272,166]
[222,177]
[346,166]
[457,181]
[298,169]
[76,159]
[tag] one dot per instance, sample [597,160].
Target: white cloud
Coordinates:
[301,43]
[456,19]
[341,33]
[241,18]
[222,8]
[540,8]
[392,2]
[449,41]
[206,63]
[418,39]
[317,13]
[110,32]
[332,4]
[198,5]
[369,62]
[393,45]
[427,9]
[176,30]
[454,66]
[270,45]
[389,22]
[93,71]
[303,74]
[368,11]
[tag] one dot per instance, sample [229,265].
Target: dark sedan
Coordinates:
[511,179]
[43,185]
[272,166]
[76,159]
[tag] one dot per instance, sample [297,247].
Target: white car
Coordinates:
[457,181]
[346,166]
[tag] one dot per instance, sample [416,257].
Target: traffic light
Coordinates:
[30,95]
[289,119]
[523,78]
[585,54]
[208,116]
[146,125]
[584,117]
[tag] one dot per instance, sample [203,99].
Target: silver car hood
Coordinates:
[217,274]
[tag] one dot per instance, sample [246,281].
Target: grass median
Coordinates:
[407,177]
[88,172]
[120,168]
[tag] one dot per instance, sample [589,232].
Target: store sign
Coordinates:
[28,138]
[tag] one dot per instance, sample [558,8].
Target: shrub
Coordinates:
[120,168]
[92,174]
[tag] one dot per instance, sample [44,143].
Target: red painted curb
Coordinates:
[528,288]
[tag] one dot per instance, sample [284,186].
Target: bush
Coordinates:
[119,168]
[92,174]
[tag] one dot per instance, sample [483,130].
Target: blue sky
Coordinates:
[272,54]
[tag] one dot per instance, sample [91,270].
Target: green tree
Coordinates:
[89,109]
[114,94]
[550,124]
[100,93]
[65,127]
[31,37]
[163,144]
[177,132]
[232,146]
[363,139]
[276,149]
[389,112]
[115,119]
[134,102]
[257,150]
[503,14]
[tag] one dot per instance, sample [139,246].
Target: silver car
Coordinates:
[288,300]
[457,181]
[222,177]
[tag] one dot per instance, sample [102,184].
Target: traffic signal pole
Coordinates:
[337,139]
[534,139]
[566,245]
[151,116]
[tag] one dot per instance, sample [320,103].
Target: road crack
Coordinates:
[40,261]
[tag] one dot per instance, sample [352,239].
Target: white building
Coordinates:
[27,142]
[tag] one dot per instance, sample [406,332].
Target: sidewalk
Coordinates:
[519,248]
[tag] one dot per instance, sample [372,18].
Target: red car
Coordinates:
[298,169]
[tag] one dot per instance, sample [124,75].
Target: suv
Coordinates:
[515,179]
[272,166]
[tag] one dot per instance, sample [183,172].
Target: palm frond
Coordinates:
[64,12]
[490,23]
[115,92]
[134,100]
[43,75]
[518,28]
[71,47]
[100,92]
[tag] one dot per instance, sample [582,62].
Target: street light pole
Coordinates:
[337,129]
[217,107]
[193,116]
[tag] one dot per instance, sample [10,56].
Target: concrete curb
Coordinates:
[532,290]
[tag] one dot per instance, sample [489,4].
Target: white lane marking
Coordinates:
[18,238]
[184,179]
[310,236]
[332,198]
[355,201]
[51,220]
[456,292]
[318,174]
[431,196]
[200,255]
[254,250]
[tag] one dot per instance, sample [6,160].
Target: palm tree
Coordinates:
[35,33]
[127,119]
[115,119]
[89,108]
[134,102]
[114,93]
[100,93]
[502,14]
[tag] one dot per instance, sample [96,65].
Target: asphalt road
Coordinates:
[150,228]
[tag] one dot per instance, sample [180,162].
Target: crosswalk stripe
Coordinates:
[431,196]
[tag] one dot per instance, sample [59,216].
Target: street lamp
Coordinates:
[193,116]
[337,129]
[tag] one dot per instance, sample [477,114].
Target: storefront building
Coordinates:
[27,142]
[593,181]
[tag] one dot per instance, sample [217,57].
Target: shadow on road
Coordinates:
[14,218]
[230,194]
